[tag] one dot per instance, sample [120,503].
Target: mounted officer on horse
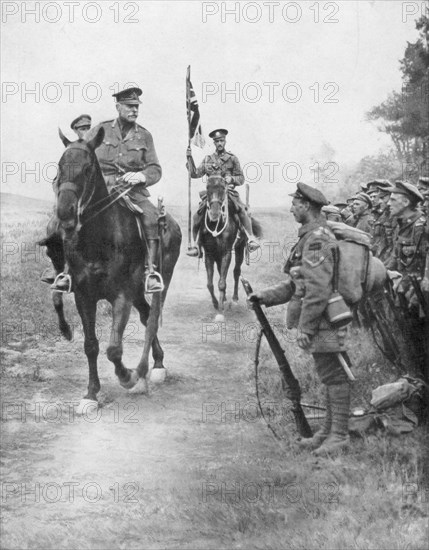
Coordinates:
[128,160]
[224,164]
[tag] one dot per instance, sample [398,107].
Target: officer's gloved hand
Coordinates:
[133,178]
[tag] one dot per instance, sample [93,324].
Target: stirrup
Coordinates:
[158,278]
[67,278]
[193,252]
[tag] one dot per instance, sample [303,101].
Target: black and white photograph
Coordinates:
[214,275]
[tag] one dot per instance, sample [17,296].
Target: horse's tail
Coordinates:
[257,228]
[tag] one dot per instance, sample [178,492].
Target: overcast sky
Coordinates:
[349,57]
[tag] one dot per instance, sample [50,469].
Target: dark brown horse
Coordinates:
[219,238]
[101,244]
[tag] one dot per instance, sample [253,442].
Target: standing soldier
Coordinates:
[310,272]
[408,258]
[362,212]
[423,187]
[383,224]
[227,165]
[81,126]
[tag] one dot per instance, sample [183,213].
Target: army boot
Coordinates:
[153,279]
[338,439]
[321,434]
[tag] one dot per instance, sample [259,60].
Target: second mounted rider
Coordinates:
[225,164]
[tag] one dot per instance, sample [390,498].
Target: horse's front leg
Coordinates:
[223,272]
[239,257]
[121,308]
[66,331]
[87,309]
[151,333]
[209,261]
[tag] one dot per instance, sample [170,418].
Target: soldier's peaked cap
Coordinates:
[220,132]
[407,189]
[382,185]
[81,120]
[129,96]
[424,180]
[364,198]
[308,193]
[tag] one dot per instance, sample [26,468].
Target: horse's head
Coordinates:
[216,196]
[76,179]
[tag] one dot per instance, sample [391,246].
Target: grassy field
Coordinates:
[266,494]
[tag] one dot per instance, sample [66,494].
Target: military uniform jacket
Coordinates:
[223,165]
[382,233]
[363,222]
[409,245]
[133,153]
[311,259]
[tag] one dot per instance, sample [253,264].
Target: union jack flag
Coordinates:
[195,131]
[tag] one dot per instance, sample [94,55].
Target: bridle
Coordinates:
[85,199]
[224,215]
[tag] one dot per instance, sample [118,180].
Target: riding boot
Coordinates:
[338,439]
[252,241]
[153,280]
[320,436]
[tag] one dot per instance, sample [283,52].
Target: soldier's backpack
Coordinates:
[359,271]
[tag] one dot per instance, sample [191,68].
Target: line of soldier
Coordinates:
[396,217]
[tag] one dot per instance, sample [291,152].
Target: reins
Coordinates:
[224,215]
[82,206]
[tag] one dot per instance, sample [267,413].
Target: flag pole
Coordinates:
[188,108]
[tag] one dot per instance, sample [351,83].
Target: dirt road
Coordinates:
[192,465]
[144,471]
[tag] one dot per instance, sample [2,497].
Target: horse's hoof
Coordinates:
[158,376]
[87,407]
[219,318]
[134,378]
[141,386]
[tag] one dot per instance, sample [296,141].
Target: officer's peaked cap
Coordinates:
[308,193]
[129,96]
[407,189]
[82,120]
[220,132]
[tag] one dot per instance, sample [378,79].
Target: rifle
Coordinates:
[289,382]
[390,347]
[420,296]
